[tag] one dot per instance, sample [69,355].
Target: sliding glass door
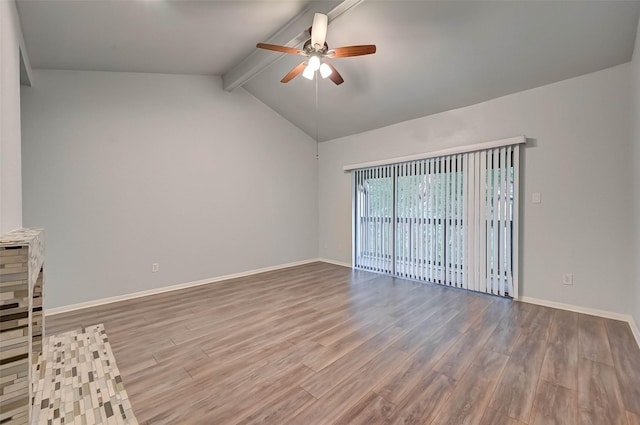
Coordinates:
[374,215]
[447,220]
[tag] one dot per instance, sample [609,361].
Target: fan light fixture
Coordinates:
[314,63]
[325,70]
[308,73]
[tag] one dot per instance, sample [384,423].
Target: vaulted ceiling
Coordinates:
[432,56]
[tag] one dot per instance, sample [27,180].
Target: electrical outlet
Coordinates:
[567,279]
[155,267]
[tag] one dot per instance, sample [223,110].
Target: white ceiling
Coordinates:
[174,37]
[432,56]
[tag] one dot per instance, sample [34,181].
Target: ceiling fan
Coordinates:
[317,51]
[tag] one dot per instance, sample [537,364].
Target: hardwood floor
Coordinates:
[323,344]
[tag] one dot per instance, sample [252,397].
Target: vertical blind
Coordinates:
[451,220]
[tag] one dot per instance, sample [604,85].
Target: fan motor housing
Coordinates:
[308,49]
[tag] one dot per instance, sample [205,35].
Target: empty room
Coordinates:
[320,212]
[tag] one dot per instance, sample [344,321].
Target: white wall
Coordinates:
[10,183]
[124,170]
[636,167]
[578,161]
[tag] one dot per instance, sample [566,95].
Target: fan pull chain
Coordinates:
[317,119]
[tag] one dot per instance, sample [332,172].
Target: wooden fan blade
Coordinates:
[294,72]
[335,75]
[348,51]
[276,48]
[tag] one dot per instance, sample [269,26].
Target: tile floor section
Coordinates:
[76,381]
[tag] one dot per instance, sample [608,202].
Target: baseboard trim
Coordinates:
[124,297]
[530,300]
[576,308]
[336,262]
[634,329]
[585,310]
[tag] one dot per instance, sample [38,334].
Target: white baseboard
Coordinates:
[585,310]
[94,303]
[634,329]
[337,263]
[576,308]
[102,301]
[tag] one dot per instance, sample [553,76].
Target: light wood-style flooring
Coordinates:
[324,344]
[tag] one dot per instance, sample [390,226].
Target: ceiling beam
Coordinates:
[293,34]
[26,74]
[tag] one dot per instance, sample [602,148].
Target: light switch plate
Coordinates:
[536,197]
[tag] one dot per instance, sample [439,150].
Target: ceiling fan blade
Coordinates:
[276,48]
[335,75]
[294,72]
[319,30]
[348,51]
